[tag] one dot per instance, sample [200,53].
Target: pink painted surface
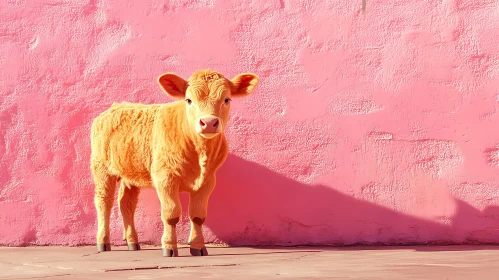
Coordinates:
[375,127]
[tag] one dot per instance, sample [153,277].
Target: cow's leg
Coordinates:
[127,200]
[198,208]
[170,215]
[105,186]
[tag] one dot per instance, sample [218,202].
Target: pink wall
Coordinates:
[380,127]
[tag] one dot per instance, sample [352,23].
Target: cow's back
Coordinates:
[121,141]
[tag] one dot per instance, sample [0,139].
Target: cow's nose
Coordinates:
[209,125]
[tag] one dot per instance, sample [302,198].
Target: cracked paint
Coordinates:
[374,122]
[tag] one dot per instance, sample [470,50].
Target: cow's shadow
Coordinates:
[253,205]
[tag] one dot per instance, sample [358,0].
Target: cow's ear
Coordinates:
[243,84]
[173,85]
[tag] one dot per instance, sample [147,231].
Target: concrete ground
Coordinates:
[447,262]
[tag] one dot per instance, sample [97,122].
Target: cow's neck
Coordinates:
[207,147]
[207,151]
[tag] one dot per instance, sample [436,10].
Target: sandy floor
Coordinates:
[447,262]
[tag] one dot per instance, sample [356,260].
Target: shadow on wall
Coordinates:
[253,205]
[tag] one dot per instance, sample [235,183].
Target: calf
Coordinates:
[174,147]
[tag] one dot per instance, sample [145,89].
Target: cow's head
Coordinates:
[207,96]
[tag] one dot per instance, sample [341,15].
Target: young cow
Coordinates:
[172,147]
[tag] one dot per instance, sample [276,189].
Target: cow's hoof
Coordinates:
[103,247]
[133,246]
[197,252]
[170,252]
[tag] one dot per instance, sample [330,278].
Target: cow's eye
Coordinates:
[188,101]
[227,100]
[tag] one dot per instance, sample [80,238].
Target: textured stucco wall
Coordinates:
[366,127]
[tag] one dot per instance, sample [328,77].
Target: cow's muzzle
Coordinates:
[209,126]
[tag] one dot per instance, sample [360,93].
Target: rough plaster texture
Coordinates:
[368,126]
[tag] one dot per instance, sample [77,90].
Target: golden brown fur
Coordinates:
[171,147]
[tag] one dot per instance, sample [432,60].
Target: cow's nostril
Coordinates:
[203,125]
[209,125]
